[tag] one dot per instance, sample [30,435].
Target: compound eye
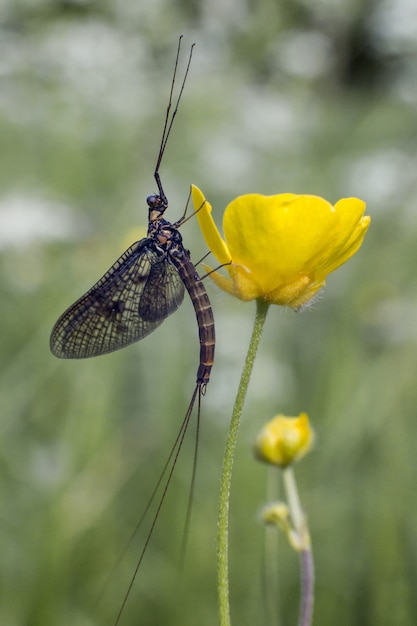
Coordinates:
[153,201]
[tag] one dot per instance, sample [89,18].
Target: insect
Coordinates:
[142,288]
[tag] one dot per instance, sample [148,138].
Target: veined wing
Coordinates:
[110,315]
[160,295]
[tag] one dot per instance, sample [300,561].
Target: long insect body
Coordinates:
[203,312]
[143,287]
[170,240]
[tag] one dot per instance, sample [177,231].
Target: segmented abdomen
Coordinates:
[203,312]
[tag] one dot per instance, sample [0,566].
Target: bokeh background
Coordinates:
[291,96]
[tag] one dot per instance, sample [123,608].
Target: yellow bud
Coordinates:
[284,440]
[277,514]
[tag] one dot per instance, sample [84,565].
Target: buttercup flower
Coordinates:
[284,440]
[281,248]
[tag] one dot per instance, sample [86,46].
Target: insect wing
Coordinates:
[107,317]
[164,292]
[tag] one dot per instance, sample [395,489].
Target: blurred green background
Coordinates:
[282,97]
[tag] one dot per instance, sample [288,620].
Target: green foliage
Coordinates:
[302,98]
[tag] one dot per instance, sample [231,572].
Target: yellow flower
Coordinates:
[284,440]
[281,248]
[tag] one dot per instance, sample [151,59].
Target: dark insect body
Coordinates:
[142,288]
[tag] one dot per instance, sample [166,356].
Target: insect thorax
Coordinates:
[166,238]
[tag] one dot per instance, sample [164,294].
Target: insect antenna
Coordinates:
[169,118]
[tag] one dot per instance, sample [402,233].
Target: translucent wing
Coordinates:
[111,314]
[160,297]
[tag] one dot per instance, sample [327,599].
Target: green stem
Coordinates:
[304,545]
[226,480]
[296,511]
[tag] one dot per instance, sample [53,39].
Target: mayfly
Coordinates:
[142,288]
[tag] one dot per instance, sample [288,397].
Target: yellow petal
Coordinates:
[295,293]
[208,227]
[352,222]
[265,234]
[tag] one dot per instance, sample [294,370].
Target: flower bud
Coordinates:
[284,440]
